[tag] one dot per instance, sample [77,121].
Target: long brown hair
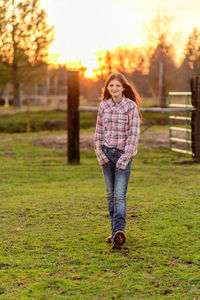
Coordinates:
[129,90]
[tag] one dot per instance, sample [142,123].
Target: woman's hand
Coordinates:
[120,167]
[106,160]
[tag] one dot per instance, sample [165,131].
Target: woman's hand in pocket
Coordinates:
[105,161]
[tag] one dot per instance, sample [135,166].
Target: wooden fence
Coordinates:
[195,120]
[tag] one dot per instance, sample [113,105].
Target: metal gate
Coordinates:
[180,132]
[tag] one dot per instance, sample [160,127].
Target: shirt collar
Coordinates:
[112,103]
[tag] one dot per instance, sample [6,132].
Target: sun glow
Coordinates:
[84,27]
[90,72]
[88,66]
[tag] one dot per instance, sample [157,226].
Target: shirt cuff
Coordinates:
[102,158]
[123,161]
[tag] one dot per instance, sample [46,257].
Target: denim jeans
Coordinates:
[116,182]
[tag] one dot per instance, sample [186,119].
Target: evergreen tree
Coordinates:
[160,50]
[193,51]
[163,57]
[190,66]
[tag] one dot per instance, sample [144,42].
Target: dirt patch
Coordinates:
[155,138]
[59,141]
[149,139]
[5,139]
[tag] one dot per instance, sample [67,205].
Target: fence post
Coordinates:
[73,122]
[195,122]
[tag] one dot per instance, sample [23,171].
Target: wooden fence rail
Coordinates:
[144,109]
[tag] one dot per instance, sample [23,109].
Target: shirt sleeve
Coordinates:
[132,138]
[99,138]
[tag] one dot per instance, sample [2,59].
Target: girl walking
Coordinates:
[116,140]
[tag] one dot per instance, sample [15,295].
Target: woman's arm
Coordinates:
[99,138]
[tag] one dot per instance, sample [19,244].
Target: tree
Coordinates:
[190,66]
[162,71]
[108,61]
[162,67]
[4,74]
[24,42]
[192,53]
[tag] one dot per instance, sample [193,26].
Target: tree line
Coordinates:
[25,37]
[153,69]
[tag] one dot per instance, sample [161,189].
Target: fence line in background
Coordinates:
[144,109]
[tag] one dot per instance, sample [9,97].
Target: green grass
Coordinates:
[60,251]
[43,119]
[12,121]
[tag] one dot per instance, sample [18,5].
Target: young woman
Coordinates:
[116,139]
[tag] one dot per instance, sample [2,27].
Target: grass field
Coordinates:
[42,119]
[54,222]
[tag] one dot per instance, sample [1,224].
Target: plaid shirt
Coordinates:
[118,126]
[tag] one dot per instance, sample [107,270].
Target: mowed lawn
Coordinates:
[54,222]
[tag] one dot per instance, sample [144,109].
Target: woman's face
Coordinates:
[115,89]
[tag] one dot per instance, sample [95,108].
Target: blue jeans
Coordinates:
[116,182]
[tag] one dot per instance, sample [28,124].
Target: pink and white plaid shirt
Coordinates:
[118,126]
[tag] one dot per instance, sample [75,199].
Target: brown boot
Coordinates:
[109,239]
[118,239]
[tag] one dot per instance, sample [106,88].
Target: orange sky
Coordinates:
[84,27]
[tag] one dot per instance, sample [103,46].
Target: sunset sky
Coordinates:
[84,27]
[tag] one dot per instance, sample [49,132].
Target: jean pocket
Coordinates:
[104,149]
[120,153]
[130,162]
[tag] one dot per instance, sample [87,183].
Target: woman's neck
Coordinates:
[117,99]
